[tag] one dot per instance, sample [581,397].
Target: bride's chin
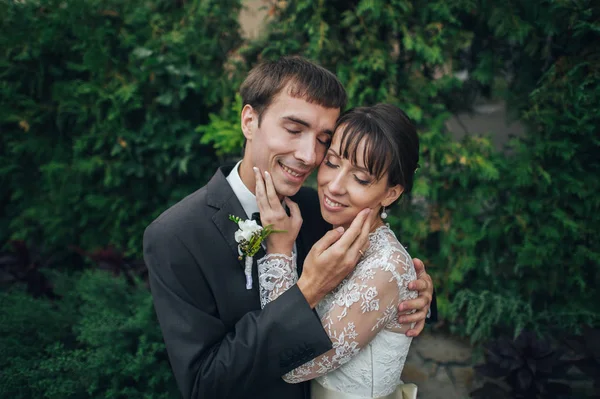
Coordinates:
[327,217]
[334,221]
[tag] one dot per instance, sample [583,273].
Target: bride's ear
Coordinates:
[249,121]
[392,194]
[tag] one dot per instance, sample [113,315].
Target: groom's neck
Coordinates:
[247,175]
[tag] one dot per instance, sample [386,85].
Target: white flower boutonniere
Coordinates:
[249,238]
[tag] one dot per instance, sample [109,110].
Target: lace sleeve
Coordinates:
[276,274]
[365,303]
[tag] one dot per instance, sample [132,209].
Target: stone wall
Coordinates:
[252,17]
[440,365]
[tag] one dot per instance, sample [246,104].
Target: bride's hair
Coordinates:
[391,145]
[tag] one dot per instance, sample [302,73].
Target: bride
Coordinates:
[370,164]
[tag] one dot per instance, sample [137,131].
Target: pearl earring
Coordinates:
[383,213]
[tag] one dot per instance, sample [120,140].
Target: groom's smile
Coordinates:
[294,174]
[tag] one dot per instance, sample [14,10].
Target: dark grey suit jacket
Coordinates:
[220,343]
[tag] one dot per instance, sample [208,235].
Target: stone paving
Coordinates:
[440,365]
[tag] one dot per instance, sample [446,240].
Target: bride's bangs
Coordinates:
[355,127]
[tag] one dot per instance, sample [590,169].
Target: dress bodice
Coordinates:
[375,370]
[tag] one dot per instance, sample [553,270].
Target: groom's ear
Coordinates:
[249,121]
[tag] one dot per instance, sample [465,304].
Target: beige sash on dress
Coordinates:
[403,391]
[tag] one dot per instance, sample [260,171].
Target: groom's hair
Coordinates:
[307,80]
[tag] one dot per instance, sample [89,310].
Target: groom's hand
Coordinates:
[424,286]
[333,257]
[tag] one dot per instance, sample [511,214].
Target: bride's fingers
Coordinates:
[259,191]
[271,193]
[360,245]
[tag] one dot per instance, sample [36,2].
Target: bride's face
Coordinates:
[346,188]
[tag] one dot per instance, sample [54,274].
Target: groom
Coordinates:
[220,343]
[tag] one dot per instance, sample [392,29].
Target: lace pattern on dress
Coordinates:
[359,316]
[276,274]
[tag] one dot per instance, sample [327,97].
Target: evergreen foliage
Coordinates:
[99,102]
[539,247]
[100,340]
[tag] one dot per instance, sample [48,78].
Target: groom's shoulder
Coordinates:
[184,213]
[191,211]
[190,204]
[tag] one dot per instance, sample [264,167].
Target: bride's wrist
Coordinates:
[277,245]
[280,249]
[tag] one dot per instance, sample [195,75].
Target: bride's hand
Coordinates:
[273,213]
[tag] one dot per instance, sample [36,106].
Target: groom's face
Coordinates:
[290,141]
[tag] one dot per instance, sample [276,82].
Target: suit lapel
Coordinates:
[227,227]
[221,196]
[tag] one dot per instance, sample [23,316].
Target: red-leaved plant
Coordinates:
[22,265]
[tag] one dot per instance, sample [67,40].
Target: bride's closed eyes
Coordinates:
[332,158]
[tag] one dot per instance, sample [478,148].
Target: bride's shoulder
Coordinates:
[389,250]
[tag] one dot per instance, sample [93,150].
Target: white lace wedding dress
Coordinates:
[361,318]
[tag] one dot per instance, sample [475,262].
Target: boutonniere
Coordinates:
[249,238]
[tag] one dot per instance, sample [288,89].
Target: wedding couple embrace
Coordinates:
[333,299]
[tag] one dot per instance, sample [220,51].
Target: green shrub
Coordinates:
[99,103]
[100,340]
[28,327]
[540,250]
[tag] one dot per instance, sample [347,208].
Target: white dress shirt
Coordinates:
[245,196]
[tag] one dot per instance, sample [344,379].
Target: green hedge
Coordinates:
[538,259]
[100,340]
[99,104]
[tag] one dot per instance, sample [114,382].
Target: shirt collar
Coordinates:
[245,196]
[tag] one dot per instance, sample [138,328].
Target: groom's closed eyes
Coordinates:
[295,125]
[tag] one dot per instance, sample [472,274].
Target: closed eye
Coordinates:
[326,143]
[329,164]
[363,182]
